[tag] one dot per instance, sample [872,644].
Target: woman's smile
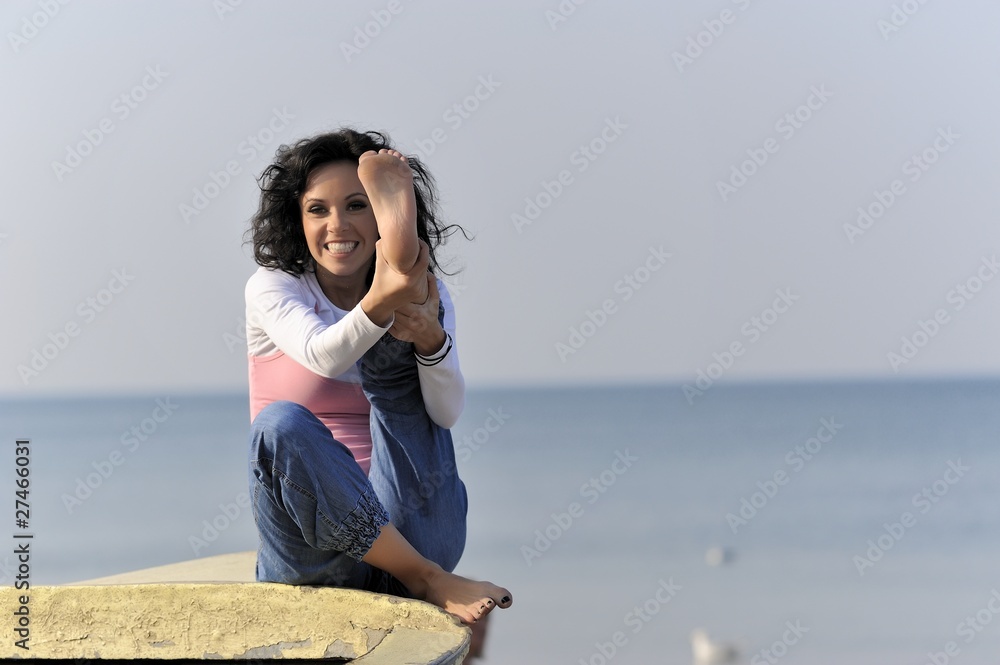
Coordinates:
[341,248]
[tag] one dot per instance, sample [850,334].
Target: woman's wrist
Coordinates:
[430,344]
[378,313]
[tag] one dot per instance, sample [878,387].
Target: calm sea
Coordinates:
[859,522]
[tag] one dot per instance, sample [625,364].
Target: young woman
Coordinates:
[354,378]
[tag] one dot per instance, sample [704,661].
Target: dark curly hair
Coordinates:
[276,229]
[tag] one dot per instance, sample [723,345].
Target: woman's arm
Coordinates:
[441,382]
[277,305]
[280,305]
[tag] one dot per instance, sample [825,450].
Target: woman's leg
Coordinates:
[316,513]
[467,599]
[321,523]
[388,182]
[413,466]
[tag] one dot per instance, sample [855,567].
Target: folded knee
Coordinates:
[280,417]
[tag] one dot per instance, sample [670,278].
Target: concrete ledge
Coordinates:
[238,567]
[167,617]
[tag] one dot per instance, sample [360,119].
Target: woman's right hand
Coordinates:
[391,290]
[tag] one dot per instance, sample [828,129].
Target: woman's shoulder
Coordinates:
[271,280]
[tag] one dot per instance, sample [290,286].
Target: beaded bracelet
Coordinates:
[428,362]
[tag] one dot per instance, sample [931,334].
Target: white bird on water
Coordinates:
[705,651]
[718,556]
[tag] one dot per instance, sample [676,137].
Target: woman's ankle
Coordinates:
[420,580]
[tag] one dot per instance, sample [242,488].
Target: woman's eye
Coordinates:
[356,205]
[316,210]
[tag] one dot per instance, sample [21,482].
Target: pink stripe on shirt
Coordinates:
[339,405]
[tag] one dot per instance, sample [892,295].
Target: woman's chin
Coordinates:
[346,269]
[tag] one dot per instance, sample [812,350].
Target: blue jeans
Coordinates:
[316,512]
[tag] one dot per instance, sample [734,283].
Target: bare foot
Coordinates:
[388,182]
[467,599]
[478,640]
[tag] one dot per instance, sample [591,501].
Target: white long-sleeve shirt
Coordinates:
[291,315]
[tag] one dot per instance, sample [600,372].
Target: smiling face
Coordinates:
[340,231]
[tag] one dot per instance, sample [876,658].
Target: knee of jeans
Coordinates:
[281,416]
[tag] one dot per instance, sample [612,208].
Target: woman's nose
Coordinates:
[337,221]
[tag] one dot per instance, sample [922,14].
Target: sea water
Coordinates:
[858,522]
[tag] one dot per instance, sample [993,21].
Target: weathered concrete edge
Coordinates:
[406,645]
[235,621]
[398,644]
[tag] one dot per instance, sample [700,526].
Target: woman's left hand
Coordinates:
[418,322]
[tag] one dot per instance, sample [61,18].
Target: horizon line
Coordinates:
[667,384]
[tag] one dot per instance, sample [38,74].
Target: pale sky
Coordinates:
[650,185]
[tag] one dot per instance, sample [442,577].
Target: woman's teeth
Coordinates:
[341,247]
